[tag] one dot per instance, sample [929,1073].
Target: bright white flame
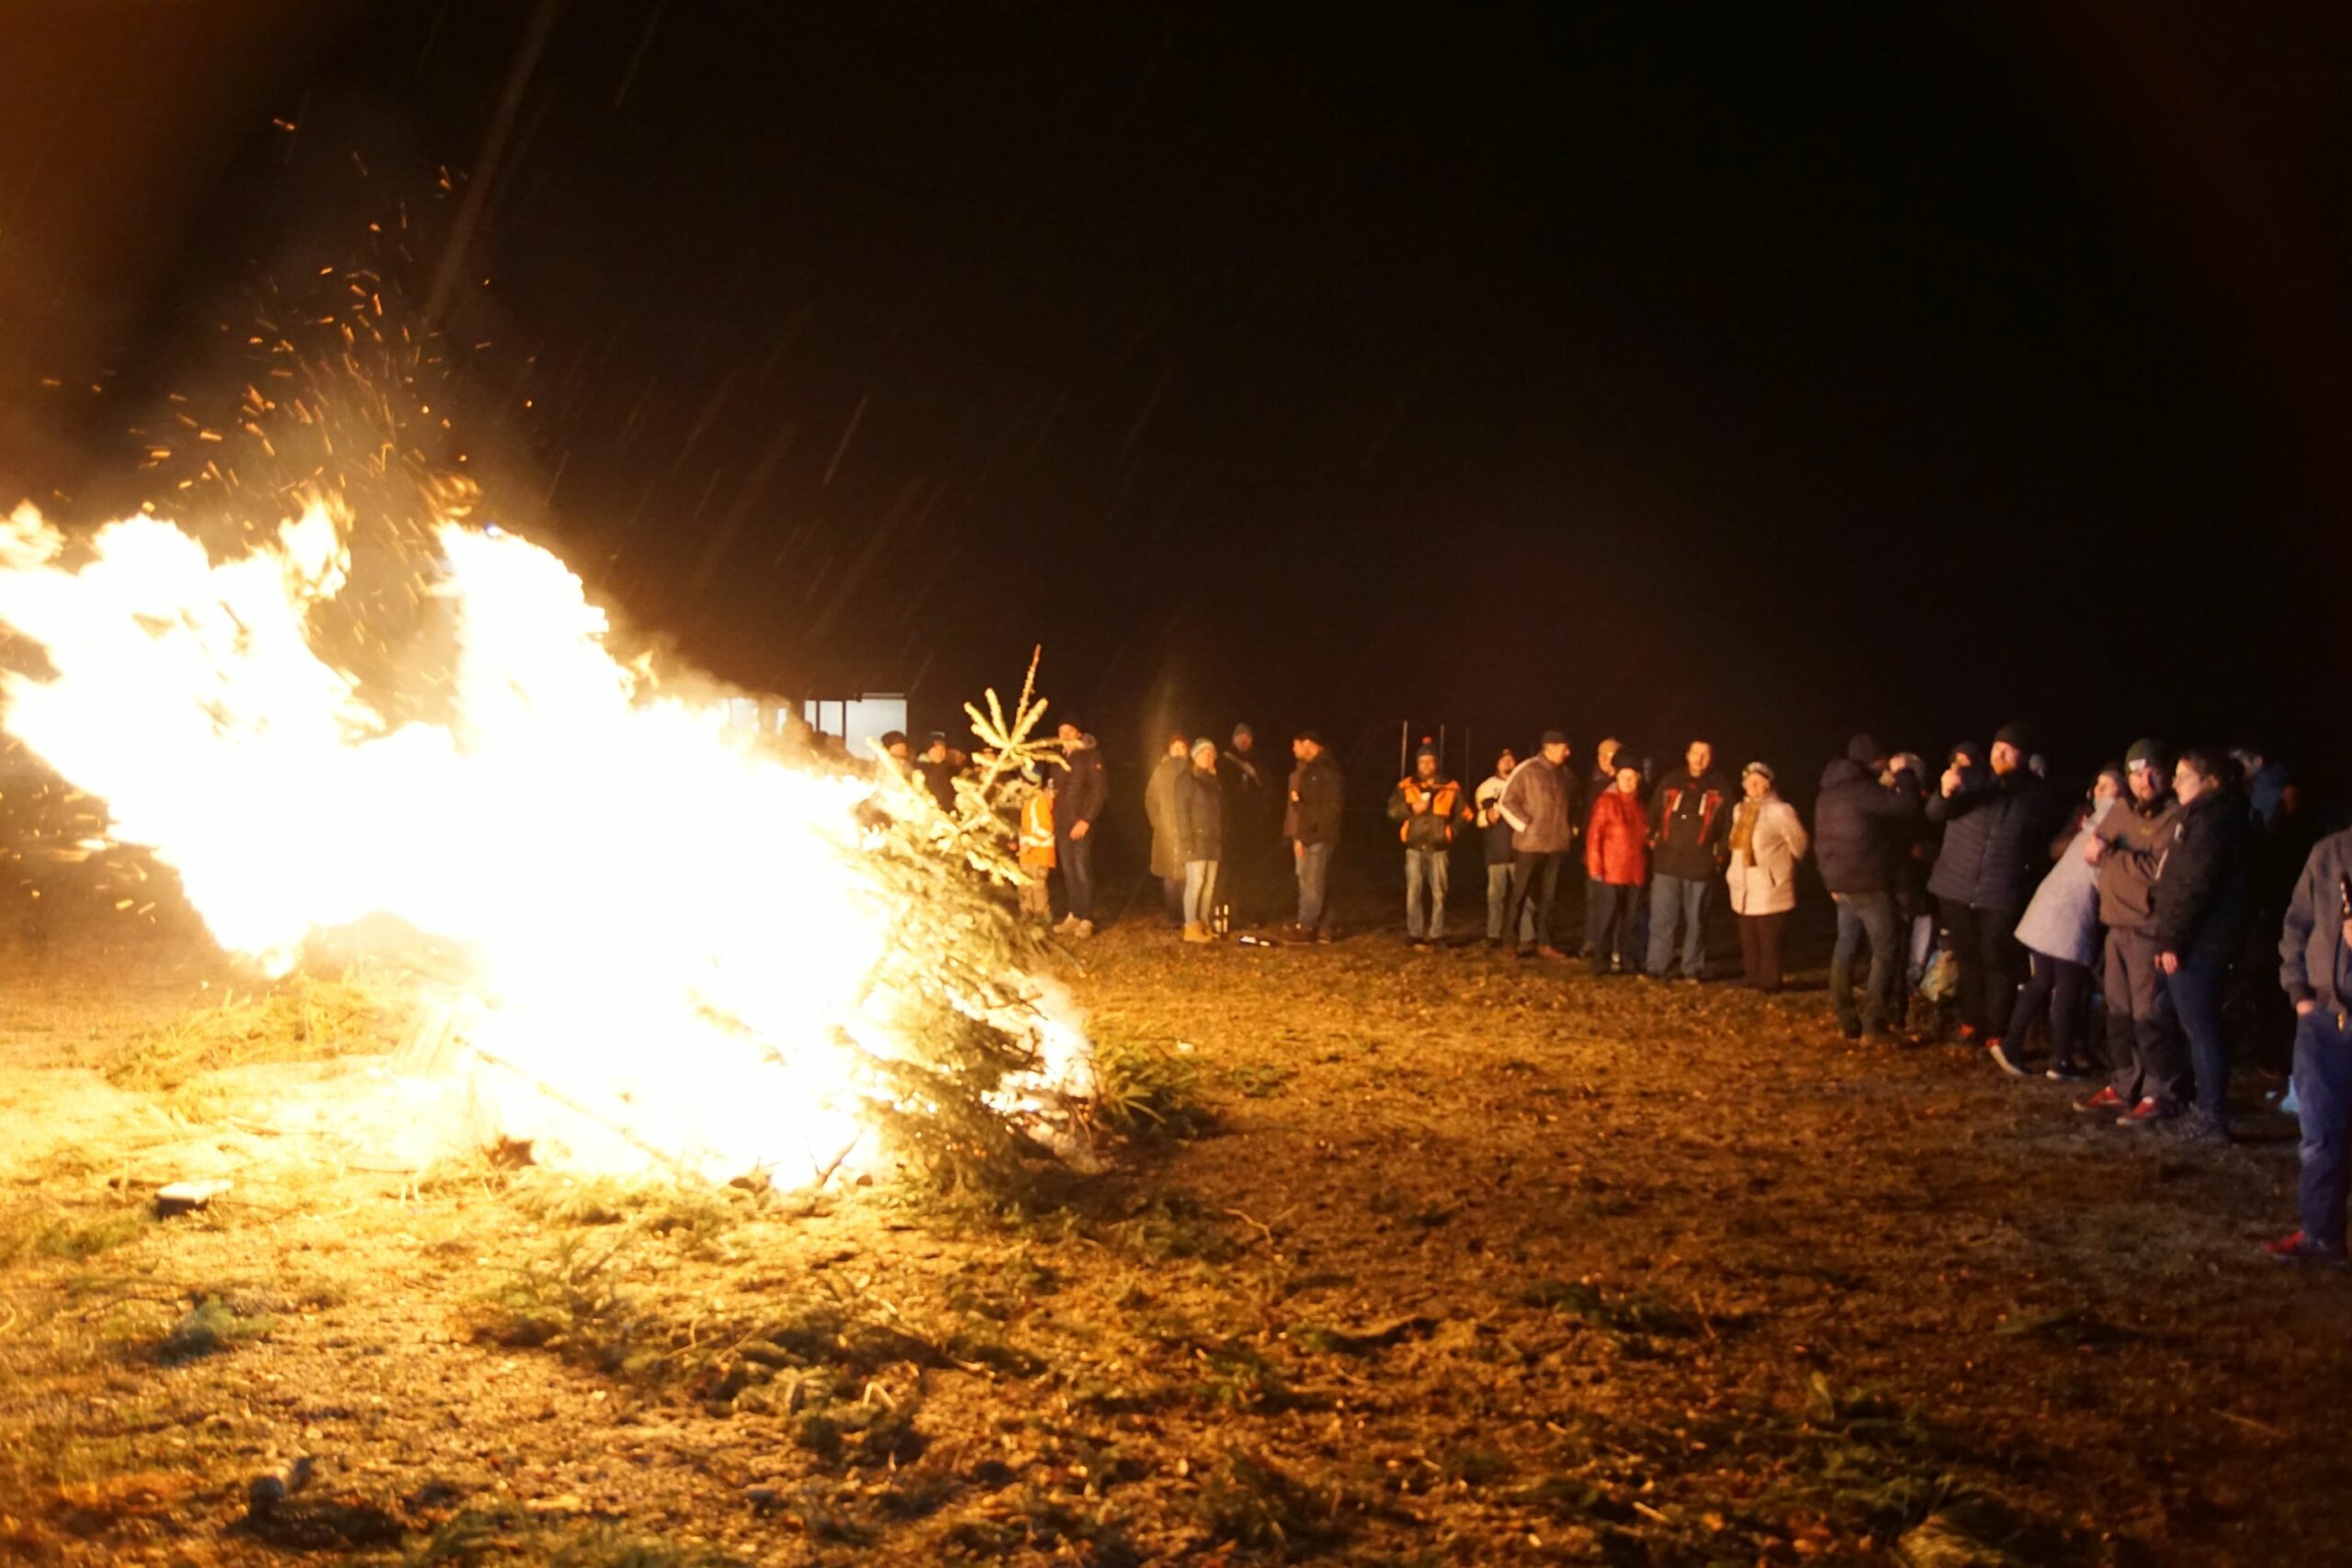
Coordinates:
[657,916]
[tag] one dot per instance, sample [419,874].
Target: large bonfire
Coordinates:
[648,937]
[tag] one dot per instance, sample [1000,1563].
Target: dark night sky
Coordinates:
[1807,368]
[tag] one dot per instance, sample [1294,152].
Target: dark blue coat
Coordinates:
[1859,826]
[1997,837]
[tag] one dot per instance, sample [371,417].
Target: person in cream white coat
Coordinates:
[1767,842]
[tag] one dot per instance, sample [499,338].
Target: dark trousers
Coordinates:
[2142,1037]
[1172,898]
[1076,858]
[2196,991]
[1610,911]
[2323,1089]
[1983,941]
[1538,873]
[1597,901]
[2061,985]
[1759,948]
[1866,915]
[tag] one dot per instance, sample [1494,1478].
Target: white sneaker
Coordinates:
[1084,928]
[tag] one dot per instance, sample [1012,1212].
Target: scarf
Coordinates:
[1743,826]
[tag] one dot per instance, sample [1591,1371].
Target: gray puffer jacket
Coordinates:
[2062,920]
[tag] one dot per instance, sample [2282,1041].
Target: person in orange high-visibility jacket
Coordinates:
[1037,851]
[1426,805]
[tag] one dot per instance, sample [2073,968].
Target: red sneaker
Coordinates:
[2105,1099]
[2301,1249]
[2147,1114]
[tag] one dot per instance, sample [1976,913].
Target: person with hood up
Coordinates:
[1689,817]
[1495,830]
[2315,971]
[1617,861]
[1426,804]
[1077,805]
[2202,890]
[1538,802]
[1196,801]
[2141,1025]
[1861,828]
[2060,934]
[1319,795]
[1766,840]
[1997,824]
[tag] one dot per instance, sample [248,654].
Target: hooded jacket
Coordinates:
[1860,826]
[1085,788]
[1536,805]
[2314,964]
[2062,921]
[1996,829]
[1432,829]
[2202,888]
[1318,794]
[1690,819]
[1617,840]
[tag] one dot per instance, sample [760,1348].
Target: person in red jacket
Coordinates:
[1617,861]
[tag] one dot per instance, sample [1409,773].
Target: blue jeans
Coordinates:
[1314,872]
[1499,905]
[1864,915]
[2195,989]
[1678,902]
[1430,869]
[2324,1085]
[1076,858]
[1200,890]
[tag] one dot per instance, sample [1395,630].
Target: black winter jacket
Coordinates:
[1690,823]
[1997,837]
[1318,795]
[1200,815]
[1859,826]
[1083,790]
[2202,889]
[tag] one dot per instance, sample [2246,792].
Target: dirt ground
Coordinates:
[1425,1262]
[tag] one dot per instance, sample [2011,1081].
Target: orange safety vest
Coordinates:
[1037,830]
[1444,801]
